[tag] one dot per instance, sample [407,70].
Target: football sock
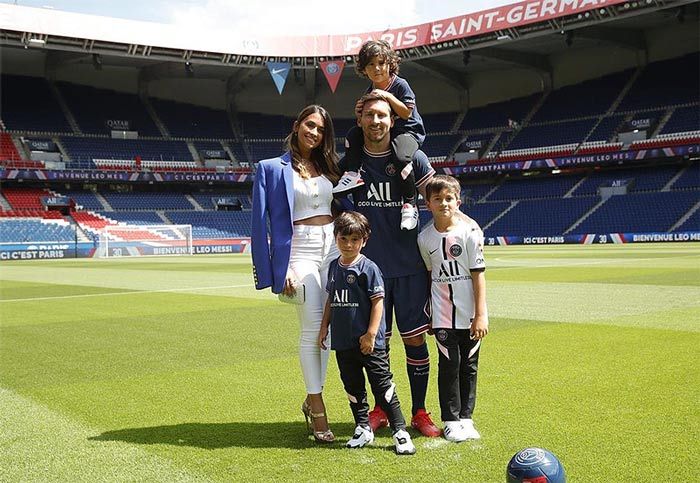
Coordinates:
[418,368]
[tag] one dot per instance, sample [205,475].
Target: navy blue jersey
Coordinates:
[379,199]
[350,291]
[414,124]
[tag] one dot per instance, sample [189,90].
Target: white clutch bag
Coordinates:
[298,298]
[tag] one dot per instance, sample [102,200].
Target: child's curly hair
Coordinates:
[377,48]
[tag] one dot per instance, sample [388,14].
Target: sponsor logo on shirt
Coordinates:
[341,298]
[379,195]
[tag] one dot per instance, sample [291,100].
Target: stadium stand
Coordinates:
[148,201]
[583,118]
[29,105]
[88,149]
[639,212]
[190,121]
[100,111]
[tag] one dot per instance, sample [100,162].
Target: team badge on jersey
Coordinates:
[350,278]
[390,169]
[455,250]
[441,335]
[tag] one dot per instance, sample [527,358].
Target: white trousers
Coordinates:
[313,249]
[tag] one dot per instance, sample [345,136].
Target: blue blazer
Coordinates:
[273,200]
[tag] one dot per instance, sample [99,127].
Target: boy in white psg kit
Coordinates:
[452,248]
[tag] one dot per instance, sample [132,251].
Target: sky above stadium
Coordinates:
[274,17]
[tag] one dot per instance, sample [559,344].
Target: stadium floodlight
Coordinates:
[144,240]
[37,41]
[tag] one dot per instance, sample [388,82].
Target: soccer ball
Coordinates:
[535,465]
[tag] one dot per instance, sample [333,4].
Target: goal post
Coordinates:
[144,240]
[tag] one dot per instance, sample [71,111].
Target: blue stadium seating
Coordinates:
[639,212]
[93,108]
[214,224]
[552,134]
[541,217]
[439,144]
[484,213]
[645,179]
[267,126]
[497,114]
[86,199]
[692,223]
[689,178]
[665,83]
[187,120]
[439,123]
[28,104]
[532,188]
[87,149]
[683,119]
[148,201]
[35,230]
[607,128]
[265,149]
[587,98]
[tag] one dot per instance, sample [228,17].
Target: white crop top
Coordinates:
[312,197]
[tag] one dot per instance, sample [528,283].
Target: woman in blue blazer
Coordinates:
[292,240]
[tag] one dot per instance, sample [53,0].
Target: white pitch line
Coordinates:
[126,293]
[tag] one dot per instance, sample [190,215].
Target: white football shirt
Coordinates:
[450,256]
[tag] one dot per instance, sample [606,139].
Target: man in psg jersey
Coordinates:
[396,253]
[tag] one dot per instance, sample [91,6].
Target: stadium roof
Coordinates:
[525,34]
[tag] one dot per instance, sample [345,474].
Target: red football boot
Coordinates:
[378,419]
[422,422]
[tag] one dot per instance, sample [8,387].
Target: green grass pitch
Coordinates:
[176,369]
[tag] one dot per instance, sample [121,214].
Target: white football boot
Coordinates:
[403,443]
[362,437]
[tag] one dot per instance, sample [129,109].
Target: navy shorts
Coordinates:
[407,298]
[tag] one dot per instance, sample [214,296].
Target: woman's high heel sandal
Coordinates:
[326,436]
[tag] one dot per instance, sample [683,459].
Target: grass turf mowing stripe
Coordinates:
[39,444]
[641,305]
[107,294]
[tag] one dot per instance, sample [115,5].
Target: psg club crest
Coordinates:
[455,250]
[332,68]
[350,279]
[441,335]
[390,169]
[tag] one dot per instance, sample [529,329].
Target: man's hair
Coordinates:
[377,48]
[372,96]
[441,182]
[351,223]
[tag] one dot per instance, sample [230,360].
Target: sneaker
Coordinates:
[409,216]
[469,429]
[349,181]
[403,443]
[422,422]
[362,437]
[378,419]
[454,431]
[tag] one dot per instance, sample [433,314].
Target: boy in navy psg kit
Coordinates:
[396,253]
[453,250]
[379,63]
[355,310]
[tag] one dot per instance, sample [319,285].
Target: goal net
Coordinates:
[144,240]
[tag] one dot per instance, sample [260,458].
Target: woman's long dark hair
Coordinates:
[324,156]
